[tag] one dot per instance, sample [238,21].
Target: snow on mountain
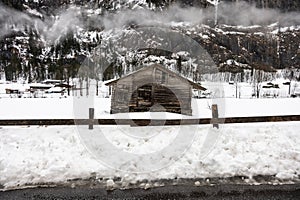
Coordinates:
[45,38]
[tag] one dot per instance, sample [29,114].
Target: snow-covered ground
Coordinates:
[222,93]
[37,155]
[70,108]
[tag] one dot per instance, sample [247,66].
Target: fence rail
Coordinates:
[148,122]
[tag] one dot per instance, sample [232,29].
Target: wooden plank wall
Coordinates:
[125,93]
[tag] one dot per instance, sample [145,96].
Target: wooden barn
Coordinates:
[152,88]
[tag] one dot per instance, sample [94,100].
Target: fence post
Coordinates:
[91,118]
[215,115]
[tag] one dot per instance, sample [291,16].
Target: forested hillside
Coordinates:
[42,39]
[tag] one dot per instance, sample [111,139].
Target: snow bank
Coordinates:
[33,155]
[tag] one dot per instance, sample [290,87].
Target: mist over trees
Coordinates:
[26,53]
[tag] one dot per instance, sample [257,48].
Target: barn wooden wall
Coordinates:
[167,90]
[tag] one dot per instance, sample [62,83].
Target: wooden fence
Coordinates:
[149,122]
[146,122]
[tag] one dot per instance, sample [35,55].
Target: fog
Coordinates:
[73,18]
[50,28]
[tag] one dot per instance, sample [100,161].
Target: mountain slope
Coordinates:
[51,39]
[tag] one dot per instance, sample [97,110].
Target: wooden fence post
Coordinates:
[215,115]
[91,118]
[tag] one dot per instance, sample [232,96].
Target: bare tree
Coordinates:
[257,81]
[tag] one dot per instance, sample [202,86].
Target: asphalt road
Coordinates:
[246,192]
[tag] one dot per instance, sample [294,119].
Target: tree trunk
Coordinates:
[97,88]
[87,86]
[68,82]
[290,85]
[80,87]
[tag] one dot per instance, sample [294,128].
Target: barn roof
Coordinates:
[195,85]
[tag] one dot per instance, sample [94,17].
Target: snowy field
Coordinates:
[37,155]
[55,154]
[69,108]
[223,94]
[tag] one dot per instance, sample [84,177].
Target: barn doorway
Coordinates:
[154,98]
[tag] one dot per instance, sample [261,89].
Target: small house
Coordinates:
[152,88]
[39,87]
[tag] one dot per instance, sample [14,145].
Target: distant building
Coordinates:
[153,88]
[39,87]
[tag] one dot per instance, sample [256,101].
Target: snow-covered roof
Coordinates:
[51,81]
[40,85]
[19,87]
[55,89]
